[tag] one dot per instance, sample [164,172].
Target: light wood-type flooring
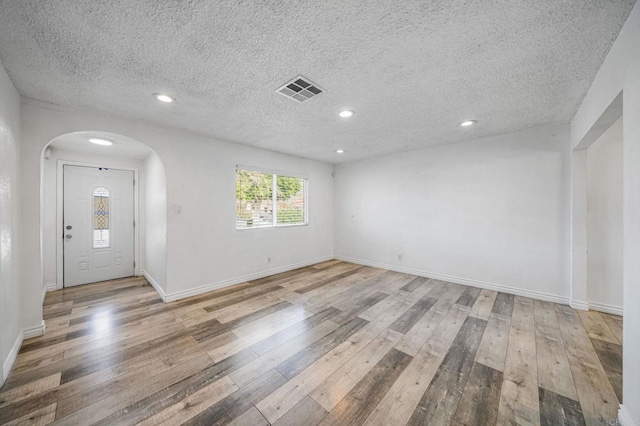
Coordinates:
[330,344]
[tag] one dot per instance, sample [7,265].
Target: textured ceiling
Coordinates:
[410,69]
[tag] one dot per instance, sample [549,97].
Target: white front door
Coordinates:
[97,225]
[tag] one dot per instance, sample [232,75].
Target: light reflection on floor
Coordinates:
[102,324]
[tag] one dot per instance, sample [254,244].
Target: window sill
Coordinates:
[293,225]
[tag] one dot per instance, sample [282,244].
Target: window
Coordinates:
[101,218]
[269,199]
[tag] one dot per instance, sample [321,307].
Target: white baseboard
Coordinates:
[11,358]
[172,297]
[156,286]
[609,309]
[47,288]
[27,333]
[36,331]
[625,419]
[581,306]
[464,281]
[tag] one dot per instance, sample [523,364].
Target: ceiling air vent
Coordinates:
[300,89]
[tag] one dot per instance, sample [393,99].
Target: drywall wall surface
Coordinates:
[620,72]
[10,296]
[203,245]
[204,249]
[50,219]
[604,228]
[490,212]
[155,225]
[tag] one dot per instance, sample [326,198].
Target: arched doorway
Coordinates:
[127,165]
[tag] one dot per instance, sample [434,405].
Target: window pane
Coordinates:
[291,200]
[100,218]
[254,199]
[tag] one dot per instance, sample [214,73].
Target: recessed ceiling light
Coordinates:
[340,151]
[164,98]
[99,141]
[346,114]
[468,123]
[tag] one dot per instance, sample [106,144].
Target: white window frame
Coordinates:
[274,195]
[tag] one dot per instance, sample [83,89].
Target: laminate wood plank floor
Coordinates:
[333,343]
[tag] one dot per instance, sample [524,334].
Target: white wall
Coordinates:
[50,231]
[490,212]
[620,72]
[203,246]
[10,320]
[204,249]
[604,228]
[155,207]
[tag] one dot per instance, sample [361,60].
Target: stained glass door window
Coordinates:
[101,218]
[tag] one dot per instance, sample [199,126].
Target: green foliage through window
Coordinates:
[288,187]
[255,200]
[253,186]
[290,216]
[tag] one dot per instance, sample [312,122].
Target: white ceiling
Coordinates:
[410,69]
[122,146]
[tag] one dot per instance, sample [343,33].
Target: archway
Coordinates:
[124,153]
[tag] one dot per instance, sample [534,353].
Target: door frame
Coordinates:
[60,214]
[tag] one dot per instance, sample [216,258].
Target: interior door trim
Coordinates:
[60,214]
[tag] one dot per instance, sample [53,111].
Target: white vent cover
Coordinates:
[300,89]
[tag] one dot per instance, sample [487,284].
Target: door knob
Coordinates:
[68,236]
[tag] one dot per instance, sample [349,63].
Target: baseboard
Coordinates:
[36,331]
[47,288]
[624,417]
[464,281]
[172,297]
[609,309]
[155,285]
[11,358]
[13,353]
[581,306]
